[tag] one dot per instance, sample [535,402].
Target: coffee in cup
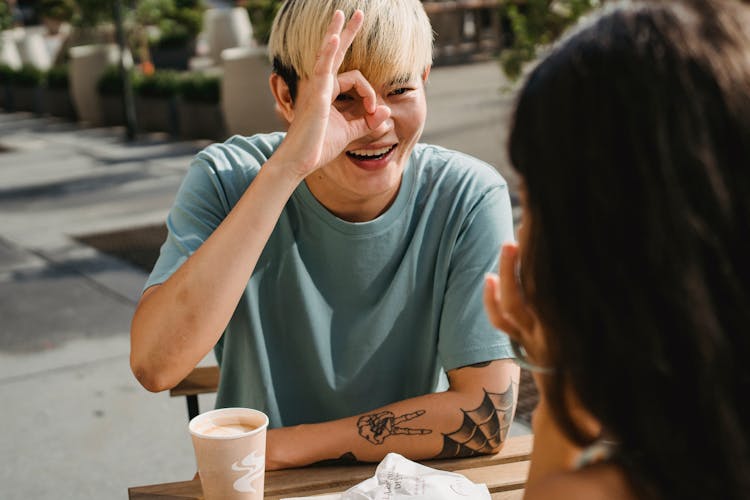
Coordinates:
[230,445]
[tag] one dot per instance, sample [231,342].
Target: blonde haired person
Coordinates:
[335,269]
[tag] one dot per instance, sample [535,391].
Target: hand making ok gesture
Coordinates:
[319,132]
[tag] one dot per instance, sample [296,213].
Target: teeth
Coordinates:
[371,152]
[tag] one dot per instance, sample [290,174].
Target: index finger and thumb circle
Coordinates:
[374,114]
[336,43]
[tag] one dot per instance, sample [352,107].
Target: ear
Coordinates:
[426,74]
[284,102]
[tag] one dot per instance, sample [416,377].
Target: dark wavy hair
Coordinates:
[633,141]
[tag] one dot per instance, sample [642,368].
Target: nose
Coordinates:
[388,124]
[382,130]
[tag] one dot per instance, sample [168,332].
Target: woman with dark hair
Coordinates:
[632,303]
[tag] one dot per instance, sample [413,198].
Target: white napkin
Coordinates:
[397,478]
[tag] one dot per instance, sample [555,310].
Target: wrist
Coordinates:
[299,446]
[288,447]
[280,449]
[295,162]
[284,171]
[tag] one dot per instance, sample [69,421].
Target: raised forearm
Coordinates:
[439,425]
[177,323]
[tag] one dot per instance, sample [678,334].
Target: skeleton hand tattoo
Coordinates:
[378,426]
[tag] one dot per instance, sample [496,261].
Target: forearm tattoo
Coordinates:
[378,426]
[483,428]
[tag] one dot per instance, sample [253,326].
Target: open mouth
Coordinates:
[371,154]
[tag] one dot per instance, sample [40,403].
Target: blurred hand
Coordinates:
[319,132]
[508,310]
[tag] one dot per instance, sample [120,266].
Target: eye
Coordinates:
[344,98]
[400,91]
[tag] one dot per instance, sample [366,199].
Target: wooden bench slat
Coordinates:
[182,490]
[508,495]
[500,477]
[202,380]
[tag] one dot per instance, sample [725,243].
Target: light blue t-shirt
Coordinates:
[340,318]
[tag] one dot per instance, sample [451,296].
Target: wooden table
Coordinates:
[504,474]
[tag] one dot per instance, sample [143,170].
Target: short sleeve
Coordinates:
[466,336]
[200,206]
[215,181]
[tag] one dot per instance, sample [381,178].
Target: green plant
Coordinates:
[172,34]
[6,17]
[5,73]
[27,76]
[178,21]
[537,23]
[60,10]
[91,13]
[57,77]
[262,13]
[161,84]
[150,12]
[189,14]
[199,87]
[110,83]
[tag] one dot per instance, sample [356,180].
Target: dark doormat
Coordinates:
[138,246]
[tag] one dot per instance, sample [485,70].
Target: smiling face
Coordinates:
[395,39]
[363,180]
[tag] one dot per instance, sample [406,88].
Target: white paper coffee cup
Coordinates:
[230,447]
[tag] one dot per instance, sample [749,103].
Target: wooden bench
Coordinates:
[202,380]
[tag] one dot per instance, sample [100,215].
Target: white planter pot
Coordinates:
[34,52]
[246,100]
[9,54]
[226,28]
[87,64]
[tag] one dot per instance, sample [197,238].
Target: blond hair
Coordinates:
[394,43]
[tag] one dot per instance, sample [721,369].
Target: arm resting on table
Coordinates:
[424,427]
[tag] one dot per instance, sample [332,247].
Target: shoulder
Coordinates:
[240,153]
[455,169]
[463,191]
[224,170]
[597,482]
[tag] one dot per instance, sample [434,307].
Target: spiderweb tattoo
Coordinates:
[483,428]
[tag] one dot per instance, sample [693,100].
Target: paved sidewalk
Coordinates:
[77,424]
